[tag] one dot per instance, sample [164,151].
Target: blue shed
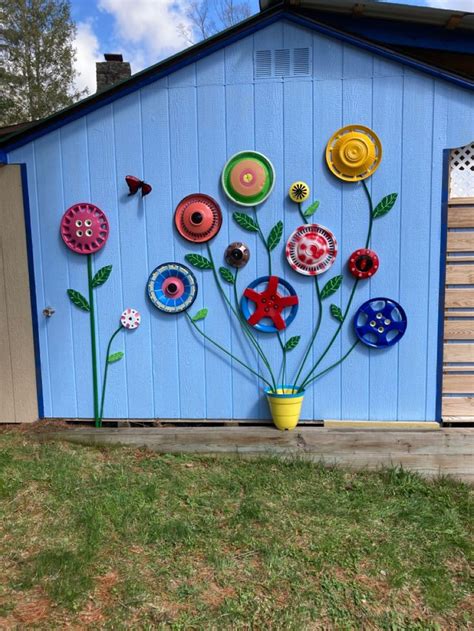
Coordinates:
[281,84]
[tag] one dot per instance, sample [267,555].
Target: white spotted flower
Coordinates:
[130,319]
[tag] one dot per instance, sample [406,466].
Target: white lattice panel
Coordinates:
[461,172]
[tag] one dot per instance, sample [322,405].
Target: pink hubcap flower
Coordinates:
[84,228]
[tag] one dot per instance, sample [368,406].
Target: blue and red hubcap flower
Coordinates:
[270,303]
[172,287]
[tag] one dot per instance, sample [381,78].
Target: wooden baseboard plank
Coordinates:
[458,419]
[386,425]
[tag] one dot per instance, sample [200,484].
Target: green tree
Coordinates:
[37,58]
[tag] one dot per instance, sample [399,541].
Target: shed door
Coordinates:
[18,396]
[458,377]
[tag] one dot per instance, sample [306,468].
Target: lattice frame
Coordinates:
[461,172]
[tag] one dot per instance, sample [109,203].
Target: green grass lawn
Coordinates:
[128,539]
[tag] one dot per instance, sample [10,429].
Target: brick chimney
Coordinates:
[111,71]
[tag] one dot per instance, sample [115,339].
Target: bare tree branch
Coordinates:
[203,26]
[230,12]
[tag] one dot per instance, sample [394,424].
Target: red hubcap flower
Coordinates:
[270,303]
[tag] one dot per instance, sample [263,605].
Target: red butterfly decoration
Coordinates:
[134,184]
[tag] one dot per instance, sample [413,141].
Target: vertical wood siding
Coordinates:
[177,133]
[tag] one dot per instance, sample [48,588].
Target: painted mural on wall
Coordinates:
[85,229]
[269,304]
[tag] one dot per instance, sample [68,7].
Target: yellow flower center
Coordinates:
[354,152]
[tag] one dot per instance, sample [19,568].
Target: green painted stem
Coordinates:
[106,370]
[95,379]
[238,315]
[283,361]
[333,339]
[320,316]
[308,379]
[323,372]
[246,328]
[224,350]
[371,207]
[282,370]
[264,241]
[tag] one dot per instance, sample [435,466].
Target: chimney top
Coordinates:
[113,57]
[111,71]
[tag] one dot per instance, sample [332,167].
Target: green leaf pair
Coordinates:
[311,209]
[292,343]
[331,287]
[199,261]
[226,275]
[101,276]
[200,315]
[245,221]
[78,299]
[275,236]
[115,357]
[384,206]
[336,313]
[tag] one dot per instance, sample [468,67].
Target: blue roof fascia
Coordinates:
[60,119]
[379,50]
[3,157]
[404,34]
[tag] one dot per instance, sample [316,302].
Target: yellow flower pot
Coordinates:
[285,406]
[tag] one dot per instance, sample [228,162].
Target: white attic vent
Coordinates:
[263,64]
[282,62]
[301,66]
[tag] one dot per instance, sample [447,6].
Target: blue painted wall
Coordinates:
[177,134]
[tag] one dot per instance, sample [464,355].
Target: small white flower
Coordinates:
[130,319]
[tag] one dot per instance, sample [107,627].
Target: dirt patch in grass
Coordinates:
[127,538]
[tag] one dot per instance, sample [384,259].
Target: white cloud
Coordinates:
[456,5]
[88,52]
[147,30]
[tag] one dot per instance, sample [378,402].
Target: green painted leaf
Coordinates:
[200,315]
[245,222]
[275,235]
[385,205]
[292,343]
[78,299]
[199,261]
[311,209]
[331,287]
[226,275]
[336,313]
[115,357]
[101,276]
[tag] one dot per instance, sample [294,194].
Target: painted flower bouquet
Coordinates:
[269,304]
[85,229]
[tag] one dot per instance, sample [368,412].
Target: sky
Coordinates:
[146,31]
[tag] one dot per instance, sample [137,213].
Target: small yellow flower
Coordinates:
[353,153]
[299,192]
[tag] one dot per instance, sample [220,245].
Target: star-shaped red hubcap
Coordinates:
[270,303]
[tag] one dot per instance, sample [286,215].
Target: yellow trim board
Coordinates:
[391,425]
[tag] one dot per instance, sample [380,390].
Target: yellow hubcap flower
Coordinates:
[353,153]
[299,192]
